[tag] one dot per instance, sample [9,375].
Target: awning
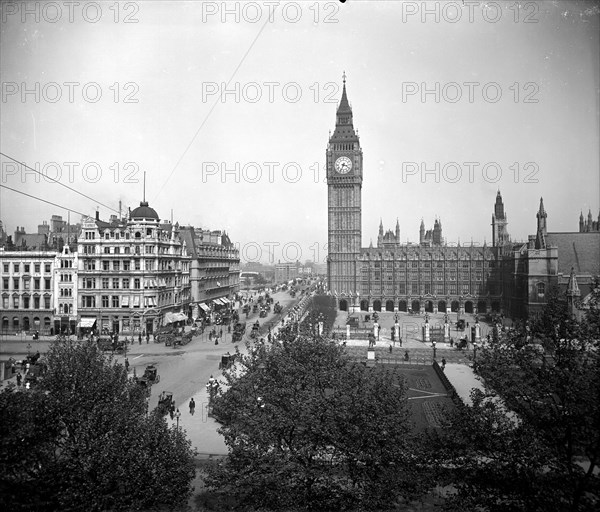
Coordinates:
[204,307]
[220,301]
[225,300]
[87,322]
[179,317]
[168,318]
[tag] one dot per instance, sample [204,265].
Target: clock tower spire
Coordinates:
[344,184]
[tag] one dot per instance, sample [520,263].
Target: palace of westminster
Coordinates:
[511,278]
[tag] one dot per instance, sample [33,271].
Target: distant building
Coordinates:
[65,291]
[30,242]
[286,271]
[214,269]
[27,291]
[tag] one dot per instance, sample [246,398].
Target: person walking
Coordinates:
[139,338]
[127,365]
[192,406]
[19,378]
[443,363]
[390,349]
[147,338]
[406,355]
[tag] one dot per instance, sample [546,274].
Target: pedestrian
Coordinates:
[172,410]
[406,355]
[192,406]
[27,385]
[390,349]
[19,378]
[443,363]
[400,340]
[147,338]
[451,342]
[140,338]
[127,365]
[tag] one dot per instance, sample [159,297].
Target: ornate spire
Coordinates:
[573,287]
[380,226]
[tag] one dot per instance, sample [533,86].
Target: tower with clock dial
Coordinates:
[344,183]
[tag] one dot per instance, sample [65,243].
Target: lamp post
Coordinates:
[434,349]
[474,353]
[177,415]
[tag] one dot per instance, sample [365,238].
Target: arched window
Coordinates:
[541,290]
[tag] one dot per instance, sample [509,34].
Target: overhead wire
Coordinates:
[59,182]
[44,200]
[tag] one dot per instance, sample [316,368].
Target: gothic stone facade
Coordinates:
[430,276]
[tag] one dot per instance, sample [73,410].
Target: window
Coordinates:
[15,283]
[116,266]
[427,288]
[104,301]
[46,283]
[47,267]
[25,302]
[88,301]
[414,264]
[88,249]
[46,302]
[150,250]
[36,303]
[89,265]
[16,267]
[126,265]
[5,267]
[126,250]
[137,265]
[5,283]
[115,301]
[105,283]
[16,302]
[106,266]
[541,290]
[136,283]
[4,302]
[115,282]
[414,288]
[27,267]
[107,250]
[126,283]
[149,265]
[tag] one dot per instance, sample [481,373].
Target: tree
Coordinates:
[307,429]
[89,444]
[533,441]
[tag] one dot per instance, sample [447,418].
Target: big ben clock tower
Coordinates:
[344,183]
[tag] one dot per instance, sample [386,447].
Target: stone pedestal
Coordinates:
[426,333]
[446,333]
[370,358]
[477,333]
[347,332]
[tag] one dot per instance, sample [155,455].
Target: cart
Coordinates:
[226,361]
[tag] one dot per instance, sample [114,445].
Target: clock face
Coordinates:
[343,165]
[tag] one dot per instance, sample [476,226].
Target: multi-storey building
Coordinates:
[65,291]
[286,271]
[214,269]
[133,273]
[430,276]
[27,291]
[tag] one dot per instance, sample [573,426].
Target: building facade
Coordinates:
[27,291]
[65,291]
[214,269]
[133,273]
[430,276]
[549,259]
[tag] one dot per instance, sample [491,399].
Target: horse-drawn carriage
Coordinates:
[150,376]
[255,308]
[227,360]
[255,328]
[166,402]
[263,313]
[277,308]
[238,332]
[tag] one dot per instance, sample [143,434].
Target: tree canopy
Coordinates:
[309,430]
[82,440]
[532,442]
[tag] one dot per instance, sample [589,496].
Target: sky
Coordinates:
[227,108]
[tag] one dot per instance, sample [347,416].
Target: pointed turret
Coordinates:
[381,226]
[344,128]
[540,240]
[397,230]
[573,293]
[581,224]
[422,232]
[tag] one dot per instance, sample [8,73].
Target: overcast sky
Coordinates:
[514,101]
